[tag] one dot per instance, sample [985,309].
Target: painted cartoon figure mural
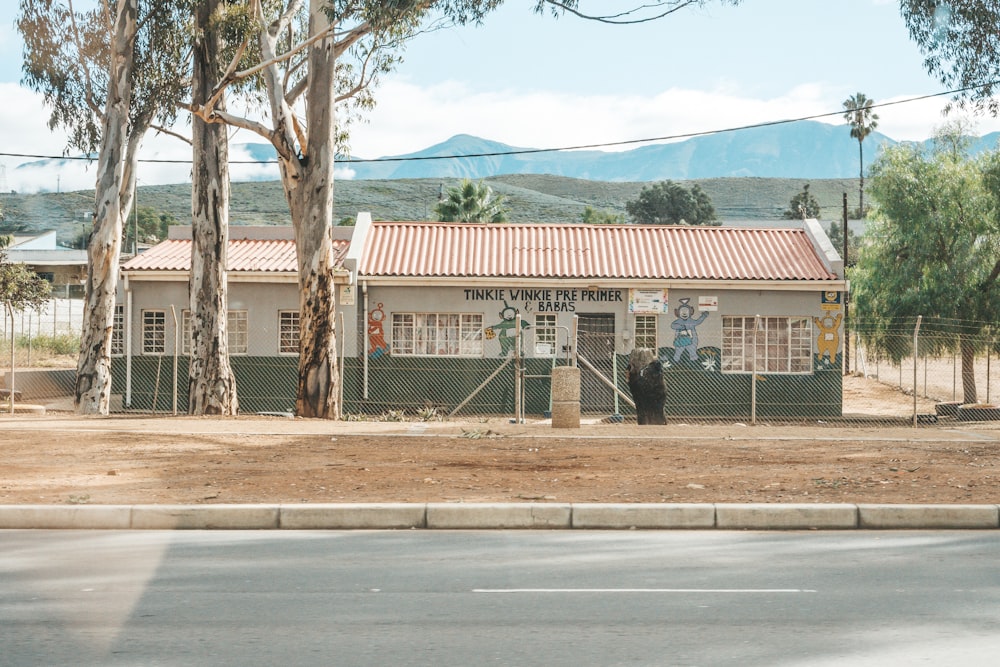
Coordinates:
[505,329]
[828,339]
[376,333]
[686,331]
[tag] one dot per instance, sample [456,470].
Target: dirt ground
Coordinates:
[61,458]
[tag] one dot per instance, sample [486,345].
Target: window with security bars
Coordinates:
[545,335]
[288,332]
[154,331]
[437,334]
[237,331]
[118,332]
[645,331]
[779,345]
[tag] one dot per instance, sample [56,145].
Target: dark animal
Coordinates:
[648,387]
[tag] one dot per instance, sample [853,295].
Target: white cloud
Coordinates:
[410,118]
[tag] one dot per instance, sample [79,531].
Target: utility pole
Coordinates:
[847,321]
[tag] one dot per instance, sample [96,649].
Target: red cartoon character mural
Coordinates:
[376,333]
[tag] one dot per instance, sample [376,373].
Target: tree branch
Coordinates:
[171,133]
[616,19]
[84,70]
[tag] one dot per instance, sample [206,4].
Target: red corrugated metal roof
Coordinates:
[658,252]
[254,255]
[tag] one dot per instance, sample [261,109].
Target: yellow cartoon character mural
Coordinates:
[828,340]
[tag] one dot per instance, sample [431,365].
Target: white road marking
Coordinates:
[643,590]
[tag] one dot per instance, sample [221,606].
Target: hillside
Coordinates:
[531,199]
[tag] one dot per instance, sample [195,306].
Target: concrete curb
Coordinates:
[645,516]
[797,516]
[927,516]
[453,516]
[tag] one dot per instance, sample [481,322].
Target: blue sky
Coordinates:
[534,81]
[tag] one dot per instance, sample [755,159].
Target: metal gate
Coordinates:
[596,344]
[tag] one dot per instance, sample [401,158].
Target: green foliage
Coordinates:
[669,203]
[932,248]
[58,344]
[591,216]
[959,42]
[471,202]
[152,225]
[803,205]
[859,114]
[20,287]
[836,235]
[72,74]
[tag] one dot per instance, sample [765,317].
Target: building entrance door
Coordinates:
[596,344]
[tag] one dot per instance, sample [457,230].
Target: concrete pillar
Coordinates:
[566,397]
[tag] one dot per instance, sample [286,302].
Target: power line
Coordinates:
[529,151]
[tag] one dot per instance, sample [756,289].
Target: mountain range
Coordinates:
[801,150]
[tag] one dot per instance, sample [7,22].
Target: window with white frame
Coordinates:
[288,332]
[437,334]
[186,332]
[545,335]
[237,331]
[154,331]
[118,331]
[645,331]
[779,344]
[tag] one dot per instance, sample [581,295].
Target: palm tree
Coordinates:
[471,202]
[863,121]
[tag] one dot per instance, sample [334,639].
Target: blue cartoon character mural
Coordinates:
[376,333]
[504,330]
[685,331]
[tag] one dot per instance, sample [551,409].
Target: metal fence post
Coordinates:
[753,374]
[916,334]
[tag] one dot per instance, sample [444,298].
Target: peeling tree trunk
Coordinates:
[319,378]
[311,203]
[211,382]
[307,179]
[969,393]
[93,377]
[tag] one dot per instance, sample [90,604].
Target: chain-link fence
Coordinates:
[887,383]
[951,370]
[39,349]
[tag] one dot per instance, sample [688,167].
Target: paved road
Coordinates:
[521,598]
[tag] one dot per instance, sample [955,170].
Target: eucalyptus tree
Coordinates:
[471,202]
[960,42]
[108,74]
[211,380]
[863,122]
[931,250]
